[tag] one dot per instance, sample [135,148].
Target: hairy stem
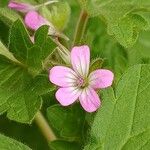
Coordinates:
[44,127]
[46,3]
[80,27]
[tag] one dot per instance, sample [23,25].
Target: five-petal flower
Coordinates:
[77,83]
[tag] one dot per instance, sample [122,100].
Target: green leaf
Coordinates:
[128,29]
[71,119]
[7,143]
[140,52]
[20,103]
[44,41]
[124,118]
[96,64]
[142,139]
[19,41]
[34,60]
[119,15]
[41,35]
[23,80]
[58,14]
[41,85]
[43,47]
[64,145]
[30,55]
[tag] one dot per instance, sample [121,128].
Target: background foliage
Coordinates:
[118,33]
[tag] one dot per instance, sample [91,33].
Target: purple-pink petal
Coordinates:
[62,76]
[101,78]
[34,20]
[80,59]
[22,7]
[89,100]
[67,96]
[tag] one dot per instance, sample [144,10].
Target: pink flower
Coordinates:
[76,82]
[22,7]
[34,20]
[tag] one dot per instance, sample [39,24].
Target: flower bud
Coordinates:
[21,7]
[25,7]
[34,20]
[64,54]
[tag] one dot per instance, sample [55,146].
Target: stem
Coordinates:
[44,127]
[80,27]
[50,2]
[46,3]
[58,43]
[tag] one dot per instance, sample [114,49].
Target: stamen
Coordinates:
[81,82]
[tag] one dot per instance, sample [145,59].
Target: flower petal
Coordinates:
[22,7]
[80,59]
[33,20]
[67,96]
[62,76]
[101,78]
[89,100]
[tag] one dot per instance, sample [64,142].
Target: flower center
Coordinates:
[81,82]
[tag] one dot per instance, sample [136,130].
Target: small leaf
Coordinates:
[7,143]
[96,64]
[19,41]
[41,35]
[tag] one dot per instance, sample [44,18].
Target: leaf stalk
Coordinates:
[80,27]
[44,127]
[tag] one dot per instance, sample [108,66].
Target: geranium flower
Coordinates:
[76,83]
